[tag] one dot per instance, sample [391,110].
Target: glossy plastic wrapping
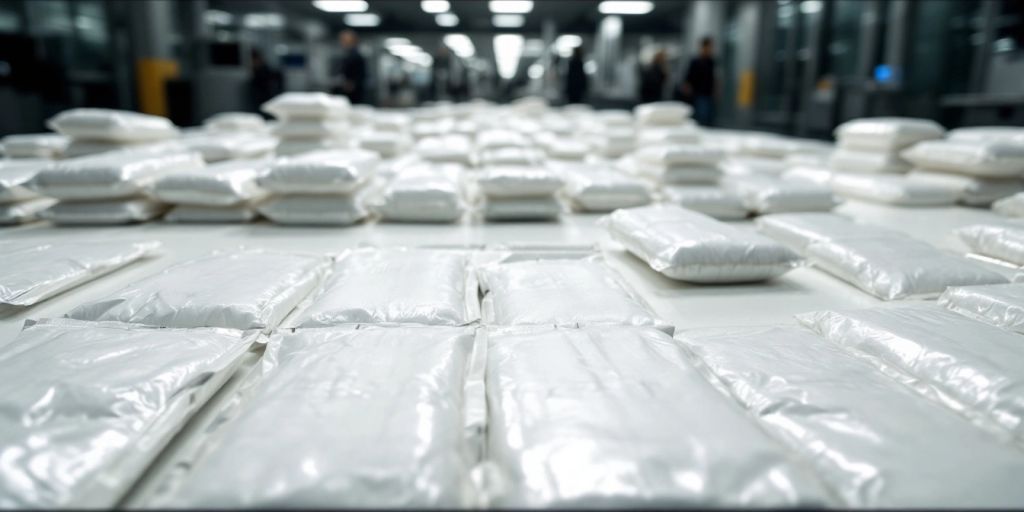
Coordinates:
[314,209]
[744,165]
[500,138]
[446,148]
[522,208]
[715,202]
[662,113]
[567,149]
[995,159]
[518,181]
[1001,305]
[886,133]
[345,417]
[307,105]
[222,184]
[212,214]
[87,406]
[403,286]
[293,147]
[988,133]
[251,289]
[657,135]
[1012,206]
[565,292]
[111,125]
[970,190]
[312,128]
[972,367]
[817,172]
[34,145]
[610,417]
[864,161]
[103,212]
[690,246]
[604,190]
[16,177]
[387,144]
[112,175]
[863,431]
[423,195]
[24,211]
[217,147]
[79,148]
[798,230]
[995,241]
[34,271]
[235,122]
[511,156]
[678,154]
[768,195]
[321,172]
[893,189]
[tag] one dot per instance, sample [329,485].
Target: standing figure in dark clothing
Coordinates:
[351,69]
[652,79]
[576,77]
[264,83]
[699,85]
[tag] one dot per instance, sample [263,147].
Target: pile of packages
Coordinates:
[309,121]
[319,187]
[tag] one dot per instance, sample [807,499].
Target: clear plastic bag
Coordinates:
[862,430]
[1001,242]
[422,195]
[714,202]
[34,271]
[103,124]
[893,189]
[689,246]
[988,133]
[112,175]
[798,230]
[34,145]
[446,148]
[373,419]
[518,181]
[660,113]
[616,417]
[973,368]
[1012,206]
[217,147]
[886,133]
[88,406]
[223,184]
[252,289]
[604,190]
[321,172]
[1001,305]
[678,154]
[103,212]
[24,211]
[16,178]
[767,195]
[994,159]
[970,190]
[314,209]
[307,105]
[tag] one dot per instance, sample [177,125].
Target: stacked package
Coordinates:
[318,187]
[764,195]
[97,130]
[678,164]
[235,122]
[980,172]
[223,192]
[423,192]
[390,135]
[35,145]
[611,133]
[309,121]
[874,144]
[520,193]
[18,202]
[601,188]
[221,146]
[112,187]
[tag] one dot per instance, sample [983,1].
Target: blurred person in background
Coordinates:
[264,83]
[576,77]
[652,78]
[699,86]
[449,76]
[350,70]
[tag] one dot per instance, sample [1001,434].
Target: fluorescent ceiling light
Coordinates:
[446,19]
[625,7]
[362,19]
[396,41]
[217,17]
[508,20]
[810,6]
[460,45]
[510,6]
[434,6]
[263,20]
[566,43]
[341,5]
[507,50]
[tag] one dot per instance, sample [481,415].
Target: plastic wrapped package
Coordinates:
[988,134]
[511,156]
[680,154]
[33,271]
[893,189]
[1001,242]
[685,174]
[661,135]
[567,149]
[292,147]
[765,196]
[387,144]
[217,147]
[1001,305]
[564,292]
[428,195]
[16,177]
[392,122]
[974,368]
[752,165]
[518,181]
[613,142]
[399,286]
[995,159]
[821,175]
[314,209]
[321,172]
[79,148]
[111,125]
[500,138]
[886,133]
[446,148]
[111,175]
[866,439]
[1012,206]
[88,405]
[307,105]
[861,161]
[604,190]
[228,122]
[190,213]
[811,158]
[614,117]
[101,212]
[714,202]
[251,289]
[24,211]
[522,208]
[222,184]
[768,145]
[970,190]
[35,145]
[616,417]
[312,129]
[798,230]
[374,419]
[689,246]
[662,113]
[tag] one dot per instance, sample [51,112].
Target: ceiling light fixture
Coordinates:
[362,19]
[460,45]
[446,19]
[396,41]
[566,43]
[508,48]
[625,7]
[341,5]
[435,6]
[508,20]
[510,6]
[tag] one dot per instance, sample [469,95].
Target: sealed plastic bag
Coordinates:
[511,156]
[387,144]
[689,246]
[307,105]
[819,174]
[314,209]
[768,195]
[403,286]
[212,214]
[217,147]
[973,368]
[34,145]
[312,128]
[252,289]
[798,230]
[16,178]
[345,417]
[113,211]
[518,181]
[1012,206]
[566,292]
[604,190]
[873,440]
[616,417]
[522,208]
[113,175]
[886,133]
[427,195]
[660,135]
[500,138]
[970,190]
[1001,242]
[567,149]
[863,161]
[714,202]
[752,166]
[893,189]
[662,113]
[223,184]
[292,147]
[35,271]
[321,172]
[446,148]
[235,122]
[988,134]
[688,154]
[994,159]
[1001,305]
[24,211]
[103,124]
